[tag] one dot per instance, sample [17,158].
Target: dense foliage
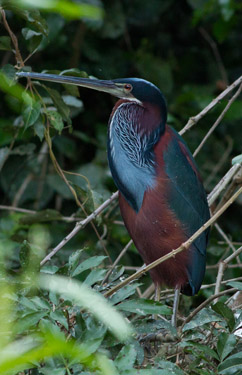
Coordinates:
[54,173]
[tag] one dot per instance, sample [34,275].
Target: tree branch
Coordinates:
[193,120]
[222,267]
[205,303]
[80,225]
[219,119]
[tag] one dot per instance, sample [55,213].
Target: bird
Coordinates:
[161,195]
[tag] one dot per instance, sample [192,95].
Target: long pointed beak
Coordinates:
[100,85]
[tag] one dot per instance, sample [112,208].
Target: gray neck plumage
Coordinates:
[130,153]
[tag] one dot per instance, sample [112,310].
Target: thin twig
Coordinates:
[222,267]
[193,120]
[29,177]
[225,237]
[17,209]
[214,266]
[222,282]
[68,219]
[14,39]
[117,260]
[220,163]
[80,225]
[149,291]
[237,181]
[22,189]
[219,119]
[9,149]
[205,303]
[223,183]
[181,248]
[216,53]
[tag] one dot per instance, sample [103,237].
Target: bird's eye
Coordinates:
[127,87]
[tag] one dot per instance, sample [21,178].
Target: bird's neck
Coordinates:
[133,132]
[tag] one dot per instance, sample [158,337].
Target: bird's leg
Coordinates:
[175,306]
[157,298]
[157,292]
[163,334]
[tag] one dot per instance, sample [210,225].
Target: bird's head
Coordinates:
[132,89]
[140,90]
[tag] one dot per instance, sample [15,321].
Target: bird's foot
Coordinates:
[163,335]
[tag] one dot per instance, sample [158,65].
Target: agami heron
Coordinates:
[161,195]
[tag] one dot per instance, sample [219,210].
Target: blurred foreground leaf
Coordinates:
[90,300]
[66,8]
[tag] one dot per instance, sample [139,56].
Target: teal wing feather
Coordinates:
[187,199]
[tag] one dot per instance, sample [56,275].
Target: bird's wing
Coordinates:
[187,199]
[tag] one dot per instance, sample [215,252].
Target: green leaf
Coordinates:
[29,321]
[95,276]
[202,347]
[93,344]
[5,43]
[59,103]
[74,259]
[26,302]
[40,303]
[235,284]
[21,354]
[225,345]
[60,317]
[226,313]
[9,86]
[55,120]
[53,371]
[144,307]
[124,293]
[9,71]
[90,300]
[126,358]
[231,365]
[150,371]
[39,129]
[88,263]
[29,33]
[34,38]
[4,151]
[170,367]
[92,198]
[71,89]
[31,113]
[204,316]
[72,101]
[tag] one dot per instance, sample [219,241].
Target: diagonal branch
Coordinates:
[193,120]
[219,119]
[127,246]
[80,225]
[205,303]
[223,266]
[223,183]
